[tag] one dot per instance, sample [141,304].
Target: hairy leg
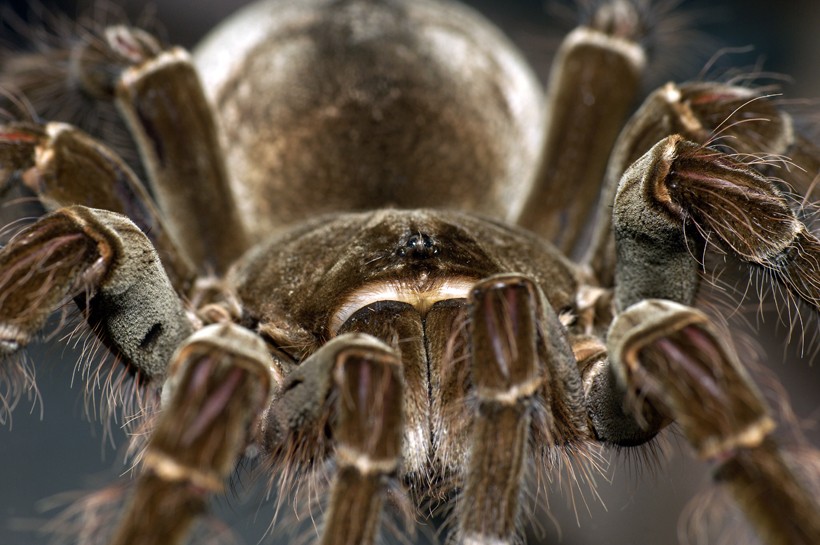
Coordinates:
[739,119]
[160,96]
[63,166]
[680,194]
[594,81]
[344,401]
[104,258]
[219,383]
[670,356]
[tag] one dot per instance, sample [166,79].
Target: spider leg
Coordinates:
[159,94]
[79,252]
[739,119]
[595,78]
[671,198]
[670,356]
[512,372]
[63,167]
[680,192]
[219,383]
[368,443]
[506,378]
[398,324]
[363,375]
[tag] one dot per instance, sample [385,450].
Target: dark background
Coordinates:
[64,452]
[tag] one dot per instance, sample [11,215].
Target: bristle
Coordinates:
[17,381]
[647,461]
[84,517]
[298,467]
[572,470]
[307,495]
[670,36]
[115,394]
[45,73]
[711,518]
[402,521]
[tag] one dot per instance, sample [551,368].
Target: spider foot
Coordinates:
[670,356]
[47,264]
[748,124]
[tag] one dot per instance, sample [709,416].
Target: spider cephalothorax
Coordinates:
[353,254]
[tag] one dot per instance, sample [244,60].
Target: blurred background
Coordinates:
[62,452]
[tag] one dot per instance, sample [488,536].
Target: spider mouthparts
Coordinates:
[420,294]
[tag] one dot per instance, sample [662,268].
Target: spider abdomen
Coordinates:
[367,104]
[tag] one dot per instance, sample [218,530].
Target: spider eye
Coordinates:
[419,246]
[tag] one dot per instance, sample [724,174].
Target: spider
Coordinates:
[296,337]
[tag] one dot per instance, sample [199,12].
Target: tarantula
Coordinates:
[408,269]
